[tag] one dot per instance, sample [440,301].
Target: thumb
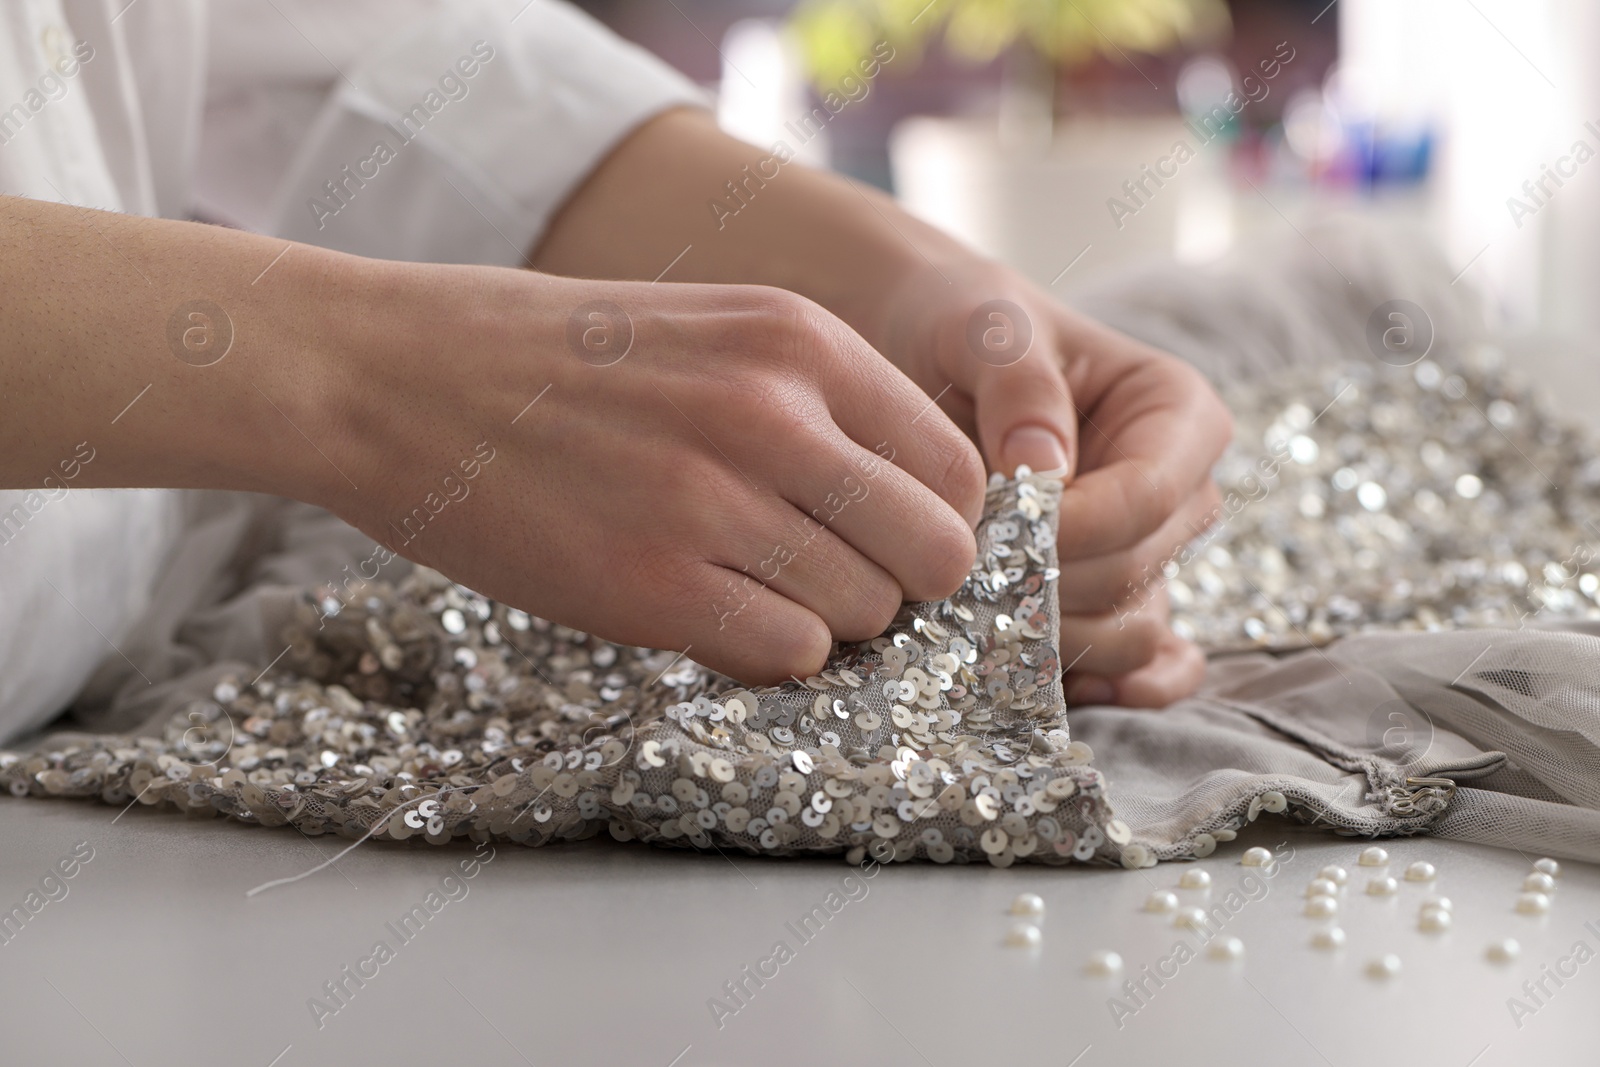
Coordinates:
[1024,409]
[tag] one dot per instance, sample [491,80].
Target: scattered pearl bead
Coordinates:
[1194,918]
[1547,866]
[1533,903]
[1421,871]
[1226,948]
[1030,905]
[1328,937]
[1383,887]
[1105,962]
[1442,903]
[1322,907]
[1256,857]
[1384,966]
[1335,874]
[1161,901]
[1373,856]
[1539,882]
[1322,887]
[1194,878]
[1504,951]
[1434,920]
[1024,935]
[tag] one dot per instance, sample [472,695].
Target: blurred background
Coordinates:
[1047,132]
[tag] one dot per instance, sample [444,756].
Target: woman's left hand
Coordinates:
[1136,430]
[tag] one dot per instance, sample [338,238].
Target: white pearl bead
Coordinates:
[1030,905]
[1420,871]
[1434,920]
[1256,857]
[1105,962]
[1533,903]
[1322,907]
[1383,887]
[1322,887]
[1194,918]
[1194,878]
[1547,866]
[1335,874]
[1442,903]
[1024,935]
[1373,856]
[1504,951]
[1328,937]
[1161,901]
[1539,882]
[1384,966]
[1226,948]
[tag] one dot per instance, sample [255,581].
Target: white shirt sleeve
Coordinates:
[454,140]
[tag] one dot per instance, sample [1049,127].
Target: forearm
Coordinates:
[107,332]
[841,244]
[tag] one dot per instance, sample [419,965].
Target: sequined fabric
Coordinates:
[428,711]
[1361,496]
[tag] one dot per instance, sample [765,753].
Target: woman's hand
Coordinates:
[1136,430]
[725,470]
[729,471]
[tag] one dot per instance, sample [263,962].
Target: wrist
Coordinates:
[309,405]
[401,383]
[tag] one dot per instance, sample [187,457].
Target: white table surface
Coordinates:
[599,953]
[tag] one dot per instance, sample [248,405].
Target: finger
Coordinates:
[803,560]
[884,412]
[1098,584]
[1113,644]
[1151,429]
[1024,408]
[1175,672]
[885,515]
[732,624]
[1005,369]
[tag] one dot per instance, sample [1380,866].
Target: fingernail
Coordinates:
[1036,446]
[1091,691]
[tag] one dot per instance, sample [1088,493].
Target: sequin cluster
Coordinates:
[1436,496]
[429,711]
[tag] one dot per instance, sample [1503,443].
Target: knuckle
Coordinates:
[1209,407]
[1140,638]
[963,482]
[1130,575]
[1164,499]
[798,648]
[947,552]
[871,610]
[775,401]
[808,332]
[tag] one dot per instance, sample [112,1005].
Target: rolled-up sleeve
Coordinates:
[458,137]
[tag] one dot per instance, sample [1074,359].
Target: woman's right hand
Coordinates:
[656,492]
[729,471]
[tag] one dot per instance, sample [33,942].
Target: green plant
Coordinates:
[836,36]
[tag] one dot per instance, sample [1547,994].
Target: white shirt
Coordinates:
[269,115]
